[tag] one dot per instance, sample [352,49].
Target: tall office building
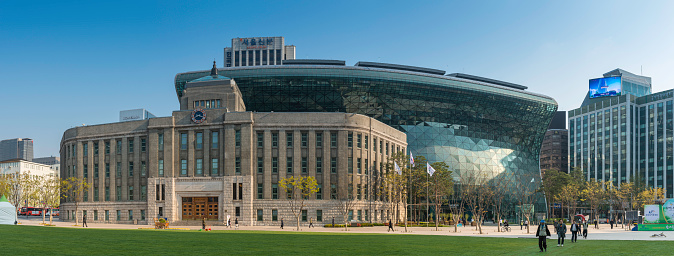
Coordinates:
[258,51]
[16,149]
[554,150]
[624,137]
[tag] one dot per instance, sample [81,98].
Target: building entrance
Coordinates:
[196,208]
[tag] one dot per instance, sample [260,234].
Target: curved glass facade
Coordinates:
[471,126]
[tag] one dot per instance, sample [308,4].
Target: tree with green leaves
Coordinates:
[299,189]
[49,193]
[73,189]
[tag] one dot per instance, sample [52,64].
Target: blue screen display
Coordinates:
[606,86]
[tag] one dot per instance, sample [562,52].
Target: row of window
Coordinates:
[207,104]
[72,149]
[119,215]
[362,191]
[118,194]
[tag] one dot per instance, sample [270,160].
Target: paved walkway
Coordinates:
[603,233]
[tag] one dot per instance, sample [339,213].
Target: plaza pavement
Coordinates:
[603,233]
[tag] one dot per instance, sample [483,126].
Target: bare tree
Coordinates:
[344,206]
[299,189]
[73,189]
[501,188]
[441,187]
[457,205]
[478,194]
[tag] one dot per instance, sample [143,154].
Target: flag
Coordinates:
[429,169]
[532,179]
[400,172]
[411,159]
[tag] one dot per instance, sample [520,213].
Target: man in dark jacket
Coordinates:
[574,231]
[561,233]
[281,223]
[390,226]
[542,233]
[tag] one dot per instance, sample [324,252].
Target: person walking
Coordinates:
[229,223]
[236,223]
[585,229]
[390,226]
[526,224]
[574,231]
[203,224]
[84,221]
[521,224]
[611,224]
[281,223]
[596,224]
[542,233]
[561,233]
[311,222]
[333,222]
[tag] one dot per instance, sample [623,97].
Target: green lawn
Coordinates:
[31,240]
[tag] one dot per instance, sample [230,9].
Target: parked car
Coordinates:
[54,211]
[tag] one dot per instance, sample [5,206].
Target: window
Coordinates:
[349,140]
[319,140]
[304,139]
[237,138]
[142,214]
[304,165]
[85,196]
[118,191]
[366,166]
[96,171]
[274,215]
[259,191]
[214,166]
[366,141]
[214,139]
[333,191]
[259,214]
[304,215]
[183,167]
[118,168]
[200,140]
[274,164]
[319,165]
[107,147]
[118,148]
[350,215]
[358,165]
[274,139]
[119,215]
[107,170]
[143,168]
[200,166]
[333,165]
[237,165]
[374,144]
[359,139]
[333,140]
[260,165]
[360,213]
[85,149]
[86,171]
[160,166]
[350,164]
[130,141]
[107,215]
[319,215]
[386,148]
[319,193]
[183,141]
[238,211]
[274,191]
[143,193]
[130,169]
[143,145]
[95,148]
[130,193]
[289,165]
[260,140]
[130,214]
[359,191]
[96,194]
[289,139]
[160,141]
[107,194]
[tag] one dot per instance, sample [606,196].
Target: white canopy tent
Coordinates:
[7,212]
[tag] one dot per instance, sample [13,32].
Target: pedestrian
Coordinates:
[281,223]
[585,229]
[561,233]
[236,222]
[542,233]
[390,226]
[311,222]
[526,224]
[521,224]
[229,223]
[596,224]
[203,224]
[333,222]
[611,224]
[574,231]
[84,221]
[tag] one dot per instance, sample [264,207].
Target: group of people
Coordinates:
[560,228]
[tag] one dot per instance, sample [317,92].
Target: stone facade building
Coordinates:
[212,159]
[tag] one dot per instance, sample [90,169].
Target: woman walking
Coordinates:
[561,233]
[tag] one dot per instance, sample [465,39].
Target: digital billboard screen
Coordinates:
[605,86]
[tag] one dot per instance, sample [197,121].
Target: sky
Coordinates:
[68,63]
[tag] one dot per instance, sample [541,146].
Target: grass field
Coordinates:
[32,240]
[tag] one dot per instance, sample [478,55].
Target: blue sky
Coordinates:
[67,63]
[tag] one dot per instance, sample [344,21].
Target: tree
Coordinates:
[344,206]
[594,194]
[299,189]
[526,190]
[49,194]
[478,195]
[568,196]
[73,189]
[396,182]
[457,208]
[501,188]
[442,186]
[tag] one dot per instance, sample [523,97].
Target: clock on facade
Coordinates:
[198,116]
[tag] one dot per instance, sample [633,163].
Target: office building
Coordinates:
[53,161]
[16,149]
[554,150]
[258,51]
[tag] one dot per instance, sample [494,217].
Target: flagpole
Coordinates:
[427,202]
